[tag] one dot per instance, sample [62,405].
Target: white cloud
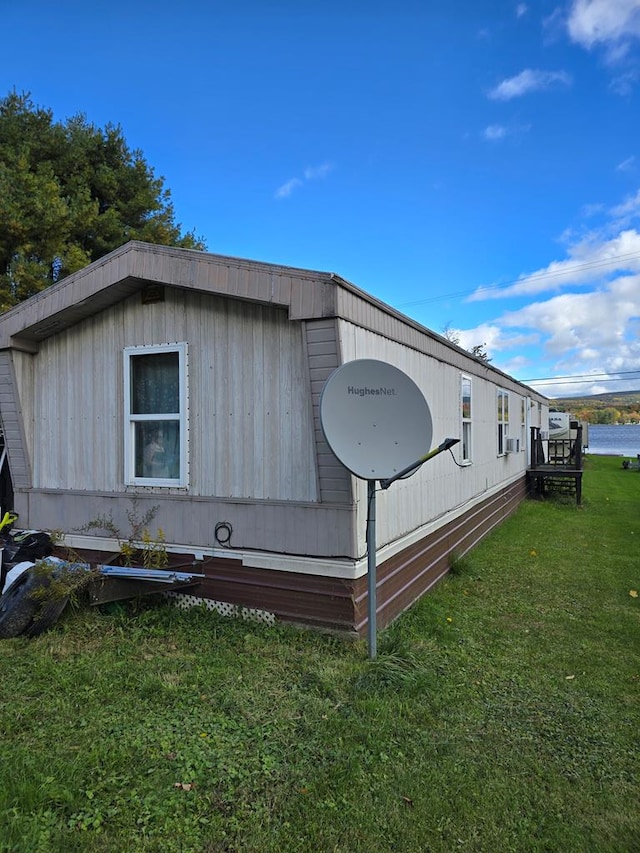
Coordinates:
[608,22]
[585,317]
[596,326]
[492,336]
[287,188]
[516,365]
[311,173]
[554,26]
[589,210]
[626,165]
[589,260]
[529,80]
[622,84]
[494,132]
[628,210]
[484,335]
[521,9]
[574,334]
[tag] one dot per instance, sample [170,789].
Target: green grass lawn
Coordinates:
[502,713]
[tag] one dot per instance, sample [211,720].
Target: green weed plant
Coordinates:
[137,544]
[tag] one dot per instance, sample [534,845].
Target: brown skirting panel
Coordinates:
[405,577]
[291,596]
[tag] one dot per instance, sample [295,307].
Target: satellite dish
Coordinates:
[375,419]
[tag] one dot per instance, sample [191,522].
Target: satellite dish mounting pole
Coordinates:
[371,568]
[376,421]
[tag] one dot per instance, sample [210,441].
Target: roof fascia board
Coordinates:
[304,293]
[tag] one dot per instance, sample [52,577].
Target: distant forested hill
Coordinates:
[614,407]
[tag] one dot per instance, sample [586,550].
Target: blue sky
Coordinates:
[475,163]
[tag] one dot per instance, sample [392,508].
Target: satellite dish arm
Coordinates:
[446,445]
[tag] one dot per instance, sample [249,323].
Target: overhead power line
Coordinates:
[551,385]
[581,381]
[588,265]
[587,377]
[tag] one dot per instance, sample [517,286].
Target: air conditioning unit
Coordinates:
[513,445]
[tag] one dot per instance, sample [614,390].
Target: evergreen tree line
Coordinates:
[71,192]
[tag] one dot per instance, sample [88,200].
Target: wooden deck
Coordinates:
[556,465]
[553,478]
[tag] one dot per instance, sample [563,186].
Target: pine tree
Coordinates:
[70,193]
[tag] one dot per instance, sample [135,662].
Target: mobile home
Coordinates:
[189,383]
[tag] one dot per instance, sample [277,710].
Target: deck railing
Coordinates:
[563,453]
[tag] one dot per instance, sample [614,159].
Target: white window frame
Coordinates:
[466,423]
[130,418]
[502,414]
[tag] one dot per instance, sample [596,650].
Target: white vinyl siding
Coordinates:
[250,417]
[436,487]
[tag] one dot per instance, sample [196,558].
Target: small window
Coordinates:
[523,424]
[465,413]
[503,420]
[155,385]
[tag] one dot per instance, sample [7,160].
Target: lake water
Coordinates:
[618,439]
